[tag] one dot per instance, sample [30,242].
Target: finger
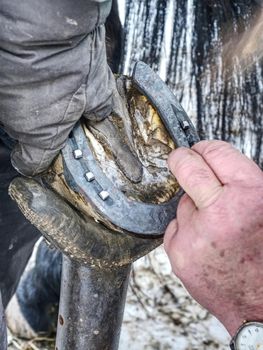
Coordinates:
[169,235]
[228,163]
[185,209]
[175,248]
[195,176]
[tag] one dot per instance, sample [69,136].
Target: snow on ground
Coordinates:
[159,314]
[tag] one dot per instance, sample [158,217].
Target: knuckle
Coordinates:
[177,155]
[183,201]
[183,162]
[215,148]
[200,175]
[193,175]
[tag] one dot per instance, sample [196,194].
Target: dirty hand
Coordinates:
[216,243]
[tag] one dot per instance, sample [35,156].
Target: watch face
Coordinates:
[250,337]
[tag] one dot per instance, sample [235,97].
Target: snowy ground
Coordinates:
[159,314]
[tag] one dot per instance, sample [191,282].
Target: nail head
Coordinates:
[89,176]
[77,154]
[104,195]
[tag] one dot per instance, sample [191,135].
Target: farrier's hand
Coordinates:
[216,243]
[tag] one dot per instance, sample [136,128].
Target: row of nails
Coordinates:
[89,176]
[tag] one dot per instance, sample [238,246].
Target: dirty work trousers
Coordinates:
[17,239]
[53,71]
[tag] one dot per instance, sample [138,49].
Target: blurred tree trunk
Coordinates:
[192,43]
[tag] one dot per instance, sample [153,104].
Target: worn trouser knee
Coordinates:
[48,81]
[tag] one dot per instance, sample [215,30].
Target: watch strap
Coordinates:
[232,344]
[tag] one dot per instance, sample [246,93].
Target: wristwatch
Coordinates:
[248,337]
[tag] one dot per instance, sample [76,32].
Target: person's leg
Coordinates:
[3,340]
[39,288]
[33,310]
[17,235]
[45,60]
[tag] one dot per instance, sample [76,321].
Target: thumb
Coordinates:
[195,176]
[170,234]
